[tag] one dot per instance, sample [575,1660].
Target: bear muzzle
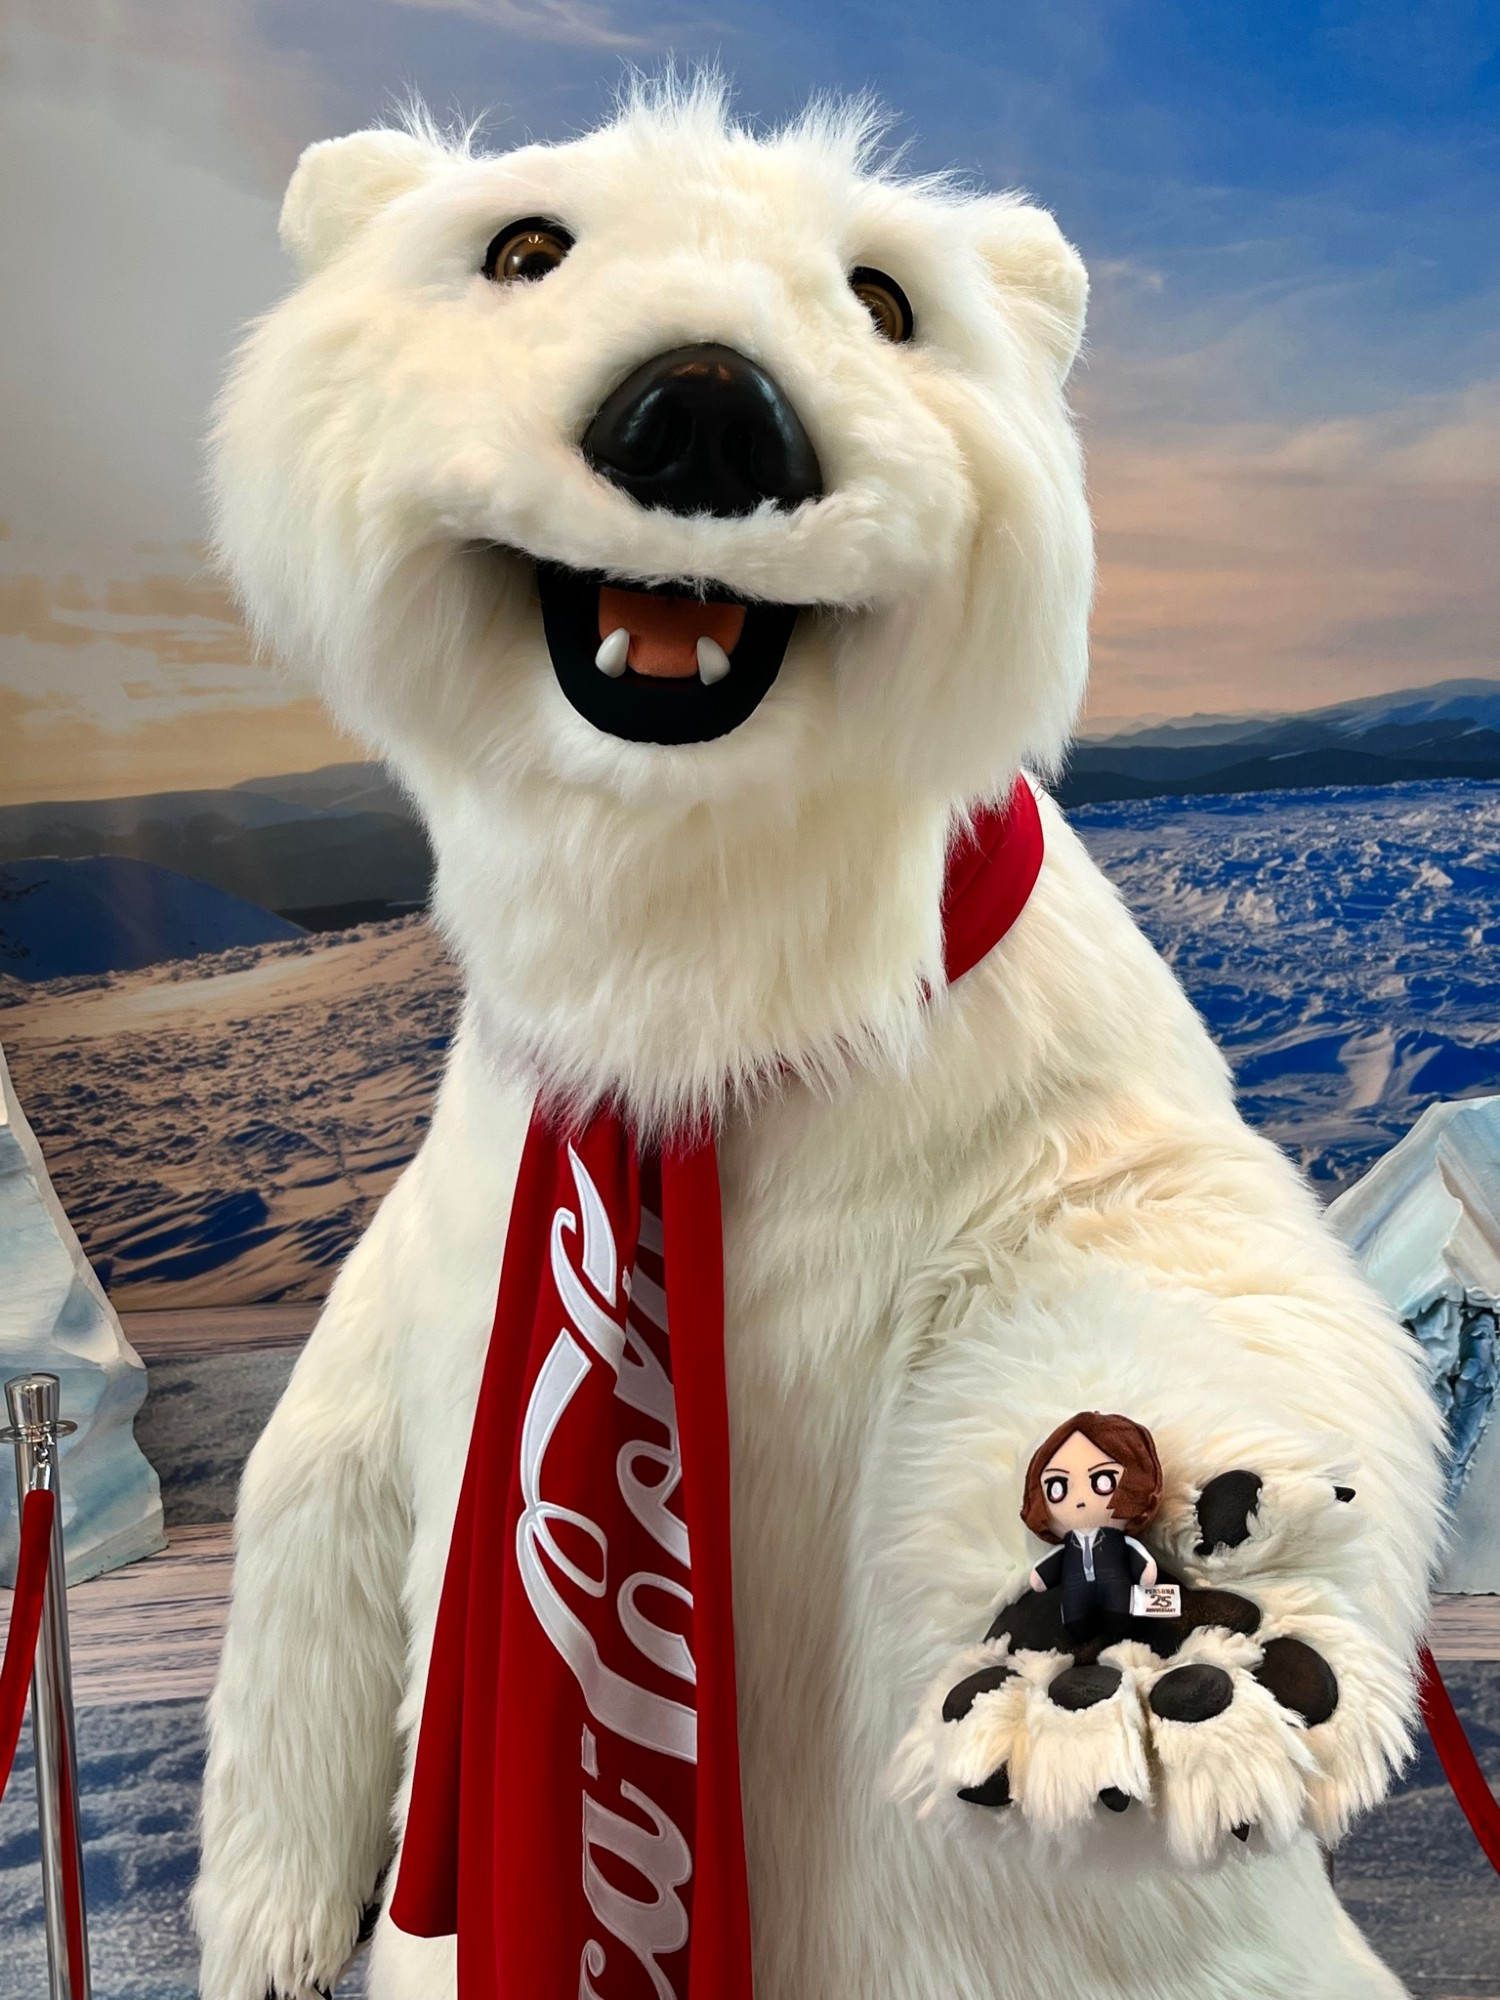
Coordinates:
[703,430]
[699,430]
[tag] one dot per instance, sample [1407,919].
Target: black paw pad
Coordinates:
[1219,1607]
[1225,1608]
[1300,1679]
[1224,1509]
[1114,1800]
[959,1700]
[995,1791]
[1192,1694]
[1083,1687]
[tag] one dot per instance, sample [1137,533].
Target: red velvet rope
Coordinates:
[25,1623]
[1456,1755]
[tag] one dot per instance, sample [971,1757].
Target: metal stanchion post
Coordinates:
[34,1431]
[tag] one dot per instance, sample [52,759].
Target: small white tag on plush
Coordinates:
[1155,1600]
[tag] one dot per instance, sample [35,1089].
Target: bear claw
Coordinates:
[995,1791]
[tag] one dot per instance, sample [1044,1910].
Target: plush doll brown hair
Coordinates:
[1134,1500]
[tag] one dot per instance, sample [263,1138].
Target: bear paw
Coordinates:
[253,1951]
[1243,1718]
[1228,1757]
[1245,1523]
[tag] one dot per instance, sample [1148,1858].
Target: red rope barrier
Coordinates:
[25,1623]
[1456,1755]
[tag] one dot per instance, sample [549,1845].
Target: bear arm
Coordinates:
[303,1756]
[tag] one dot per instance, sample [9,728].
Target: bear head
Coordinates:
[693,520]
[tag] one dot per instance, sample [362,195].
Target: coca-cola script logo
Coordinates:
[620,1655]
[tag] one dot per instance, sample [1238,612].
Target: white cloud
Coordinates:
[1279,565]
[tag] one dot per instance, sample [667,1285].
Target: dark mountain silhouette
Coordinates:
[325,848]
[109,913]
[1448,731]
[334,788]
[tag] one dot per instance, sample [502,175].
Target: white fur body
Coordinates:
[949,1222]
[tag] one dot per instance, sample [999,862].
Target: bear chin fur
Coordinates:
[947,1220]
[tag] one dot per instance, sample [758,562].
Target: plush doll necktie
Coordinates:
[575,1810]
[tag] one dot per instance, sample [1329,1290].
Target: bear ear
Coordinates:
[339,184]
[1029,256]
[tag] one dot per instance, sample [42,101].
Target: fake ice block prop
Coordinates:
[54,1316]
[1425,1225]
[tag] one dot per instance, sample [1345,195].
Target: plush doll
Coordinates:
[693,520]
[1092,1473]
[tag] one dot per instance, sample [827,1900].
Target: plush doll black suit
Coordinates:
[1096,1572]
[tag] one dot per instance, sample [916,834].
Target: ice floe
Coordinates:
[1424,1224]
[54,1316]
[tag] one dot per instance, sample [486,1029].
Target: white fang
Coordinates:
[713,661]
[611,656]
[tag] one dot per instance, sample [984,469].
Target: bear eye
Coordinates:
[885,302]
[526,250]
[1055,1488]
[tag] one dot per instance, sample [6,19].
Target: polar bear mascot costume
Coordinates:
[693,520]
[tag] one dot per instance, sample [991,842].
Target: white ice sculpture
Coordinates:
[54,1316]
[1425,1225]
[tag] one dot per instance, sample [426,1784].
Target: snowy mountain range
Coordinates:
[324,849]
[1451,730]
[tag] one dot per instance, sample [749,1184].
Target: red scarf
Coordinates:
[575,1809]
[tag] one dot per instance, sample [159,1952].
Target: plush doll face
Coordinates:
[1095,1470]
[792,425]
[1079,1483]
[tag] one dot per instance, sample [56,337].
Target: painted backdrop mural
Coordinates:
[223,1008]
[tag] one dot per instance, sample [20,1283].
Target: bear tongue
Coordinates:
[664,631]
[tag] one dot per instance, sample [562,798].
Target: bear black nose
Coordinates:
[703,430]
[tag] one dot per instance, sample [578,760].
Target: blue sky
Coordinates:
[1335,167]
[1291,395]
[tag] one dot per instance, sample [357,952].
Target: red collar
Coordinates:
[992,870]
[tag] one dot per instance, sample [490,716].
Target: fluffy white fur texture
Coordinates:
[946,1224]
[1070,1757]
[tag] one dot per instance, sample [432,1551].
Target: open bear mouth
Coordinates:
[667,664]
